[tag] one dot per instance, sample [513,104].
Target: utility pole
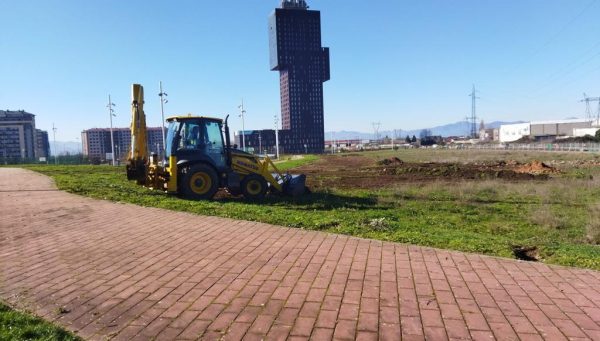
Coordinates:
[111,113]
[277,136]
[332,143]
[393,137]
[473,118]
[163,101]
[55,150]
[242,112]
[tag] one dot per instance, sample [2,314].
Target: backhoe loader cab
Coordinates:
[200,160]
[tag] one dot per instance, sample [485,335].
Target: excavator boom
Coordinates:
[138,154]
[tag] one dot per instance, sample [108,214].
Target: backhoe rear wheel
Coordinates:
[200,182]
[254,187]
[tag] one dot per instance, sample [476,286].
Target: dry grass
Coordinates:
[548,218]
[593,225]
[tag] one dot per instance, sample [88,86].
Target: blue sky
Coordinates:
[407,64]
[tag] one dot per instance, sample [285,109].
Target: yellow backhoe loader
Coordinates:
[199,160]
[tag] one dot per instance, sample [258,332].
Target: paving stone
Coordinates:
[123,273]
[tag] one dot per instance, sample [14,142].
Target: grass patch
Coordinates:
[559,216]
[16,325]
[289,162]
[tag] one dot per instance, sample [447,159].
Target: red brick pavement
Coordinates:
[110,270]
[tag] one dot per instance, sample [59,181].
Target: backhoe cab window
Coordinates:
[191,136]
[201,135]
[171,133]
[213,133]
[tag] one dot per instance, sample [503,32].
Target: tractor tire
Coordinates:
[254,187]
[200,182]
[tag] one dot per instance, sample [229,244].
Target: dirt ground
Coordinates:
[358,172]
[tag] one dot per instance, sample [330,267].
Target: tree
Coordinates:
[598,134]
[414,139]
[425,133]
[407,139]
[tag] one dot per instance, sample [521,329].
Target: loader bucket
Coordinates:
[295,185]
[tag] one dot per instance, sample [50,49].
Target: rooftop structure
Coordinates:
[294,4]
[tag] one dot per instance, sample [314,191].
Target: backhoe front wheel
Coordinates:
[254,187]
[200,182]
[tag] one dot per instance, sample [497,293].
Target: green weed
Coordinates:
[16,325]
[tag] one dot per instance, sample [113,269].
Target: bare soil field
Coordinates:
[354,171]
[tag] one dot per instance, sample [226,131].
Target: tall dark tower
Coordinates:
[303,65]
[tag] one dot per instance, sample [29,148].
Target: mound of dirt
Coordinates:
[393,161]
[536,167]
[358,172]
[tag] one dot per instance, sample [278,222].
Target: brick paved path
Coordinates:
[114,270]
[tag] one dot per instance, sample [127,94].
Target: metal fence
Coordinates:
[549,147]
[61,160]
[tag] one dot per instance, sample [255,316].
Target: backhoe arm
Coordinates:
[138,153]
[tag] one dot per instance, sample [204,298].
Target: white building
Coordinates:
[514,132]
[540,130]
[585,131]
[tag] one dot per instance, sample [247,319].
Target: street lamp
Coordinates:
[55,150]
[242,112]
[163,101]
[111,113]
[277,136]
[79,151]
[259,143]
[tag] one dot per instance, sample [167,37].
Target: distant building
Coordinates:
[514,132]
[585,131]
[542,130]
[550,130]
[348,144]
[489,135]
[96,142]
[303,65]
[258,141]
[42,144]
[19,137]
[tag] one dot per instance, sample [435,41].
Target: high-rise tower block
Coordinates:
[303,65]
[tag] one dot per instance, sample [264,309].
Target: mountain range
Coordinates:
[453,129]
[65,147]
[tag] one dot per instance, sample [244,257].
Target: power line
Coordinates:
[566,71]
[564,28]
[553,37]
